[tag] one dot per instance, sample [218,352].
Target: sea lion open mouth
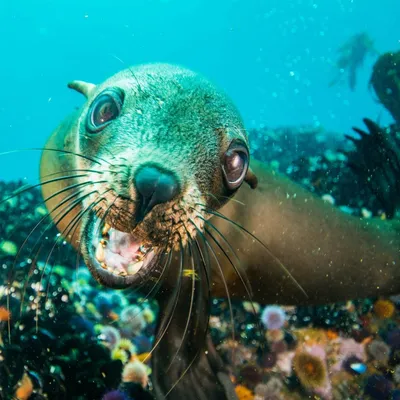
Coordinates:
[117,259]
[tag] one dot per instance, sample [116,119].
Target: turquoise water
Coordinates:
[274,58]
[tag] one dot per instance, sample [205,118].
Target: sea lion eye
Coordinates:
[235,164]
[105,108]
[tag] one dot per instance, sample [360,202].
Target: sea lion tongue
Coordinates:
[122,243]
[119,251]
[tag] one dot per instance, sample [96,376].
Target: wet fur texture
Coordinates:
[292,248]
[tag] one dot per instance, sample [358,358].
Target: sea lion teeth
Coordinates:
[123,273]
[133,268]
[100,253]
[103,265]
[106,229]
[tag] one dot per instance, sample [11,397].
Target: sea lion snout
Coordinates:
[154,186]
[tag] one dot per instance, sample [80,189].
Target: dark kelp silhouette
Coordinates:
[385,81]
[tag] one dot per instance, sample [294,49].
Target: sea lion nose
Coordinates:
[155,186]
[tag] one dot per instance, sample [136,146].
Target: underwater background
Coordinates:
[288,66]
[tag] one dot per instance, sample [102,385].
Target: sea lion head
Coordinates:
[162,145]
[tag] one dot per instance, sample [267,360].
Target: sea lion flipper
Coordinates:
[82,87]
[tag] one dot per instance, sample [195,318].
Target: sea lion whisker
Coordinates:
[167,262]
[58,151]
[224,197]
[76,262]
[87,137]
[193,289]
[200,233]
[242,229]
[184,372]
[64,212]
[155,286]
[73,223]
[129,69]
[172,312]
[199,345]
[25,189]
[105,215]
[69,208]
[207,222]
[143,300]
[94,171]
[9,285]
[66,189]
[246,284]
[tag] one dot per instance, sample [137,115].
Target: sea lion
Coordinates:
[150,180]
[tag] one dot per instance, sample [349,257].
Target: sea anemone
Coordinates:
[243,393]
[148,315]
[103,303]
[379,351]
[25,388]
[110,335]
[273,317]
[117,299]
[118,354]
[311,370]
[284,362]
[331,334]
[384,309]
[135,372]
[251,307]
[127,345]
[82,275]
[316,350]
[270,390]
[274,335]
[5,314]
[349,347]
[93,310]
[233,352]
[132,319]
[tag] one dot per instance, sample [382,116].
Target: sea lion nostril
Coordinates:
[155,186]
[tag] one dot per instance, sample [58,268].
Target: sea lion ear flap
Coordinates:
[82,87]
[251,179]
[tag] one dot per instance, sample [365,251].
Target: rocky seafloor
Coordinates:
[65,337]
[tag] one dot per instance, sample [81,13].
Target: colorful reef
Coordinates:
[62,336]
